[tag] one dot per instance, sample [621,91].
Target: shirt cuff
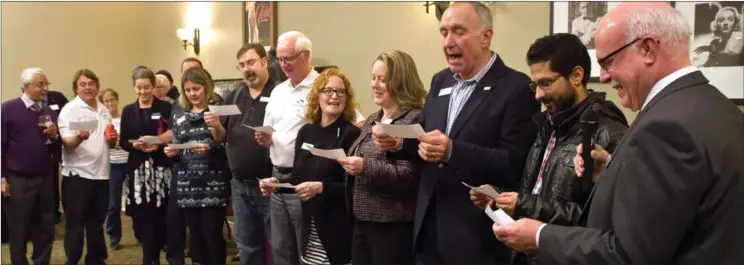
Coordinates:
[537,236]
[449,153]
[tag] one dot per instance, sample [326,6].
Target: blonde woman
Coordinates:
[384,188]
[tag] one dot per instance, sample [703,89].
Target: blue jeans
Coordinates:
[286,226]
[252,226]
[113,217]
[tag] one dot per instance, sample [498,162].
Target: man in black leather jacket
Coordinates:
[550,191]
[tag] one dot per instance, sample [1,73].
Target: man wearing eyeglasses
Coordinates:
[30,149]
[248,160]
[671,193]
[285,113]
[551,191]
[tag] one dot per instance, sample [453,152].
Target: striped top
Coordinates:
[314,252]
[462,91]
[116,154]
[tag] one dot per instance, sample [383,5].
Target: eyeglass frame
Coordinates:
[289,59]
[330,91]
[246,64]
[544,87]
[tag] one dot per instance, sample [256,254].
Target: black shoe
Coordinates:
[115,246]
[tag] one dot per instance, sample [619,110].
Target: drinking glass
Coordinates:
[45,120]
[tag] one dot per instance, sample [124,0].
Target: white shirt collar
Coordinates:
[307,82]
[666,81]
[27,100]
[80,102]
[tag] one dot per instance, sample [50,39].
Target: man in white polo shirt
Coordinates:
[85,170]
[285,113]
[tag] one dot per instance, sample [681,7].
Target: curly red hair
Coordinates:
[312,110]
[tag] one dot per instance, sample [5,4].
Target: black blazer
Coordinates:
[56,98]
[490,141]
[133,126]
[673,191]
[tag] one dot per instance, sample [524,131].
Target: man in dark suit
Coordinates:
[478,118]
[671,193]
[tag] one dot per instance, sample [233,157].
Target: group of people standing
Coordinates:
[391,200]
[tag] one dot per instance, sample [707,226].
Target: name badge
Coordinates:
[445,91]
[387,121]
[487,88]
[54,107]
[155,116]
[307,146]
[264,99]
[180,120]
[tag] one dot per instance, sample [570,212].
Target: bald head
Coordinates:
[637,45]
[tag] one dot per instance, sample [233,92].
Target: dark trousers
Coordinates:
[427,249]
[113,217]
[85,202]
[176,233]
[150,223]
[57,197]
[206,225]
[382,243]
[31,216]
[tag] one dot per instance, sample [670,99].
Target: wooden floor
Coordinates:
[129,253]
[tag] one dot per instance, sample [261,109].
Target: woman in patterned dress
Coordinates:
[201,171]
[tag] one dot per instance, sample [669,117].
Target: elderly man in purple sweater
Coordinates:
[30,148]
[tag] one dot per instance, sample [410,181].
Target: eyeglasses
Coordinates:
[329,92]
[289,59]
[544,83]
[606,61]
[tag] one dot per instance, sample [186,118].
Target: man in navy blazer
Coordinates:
[479,129]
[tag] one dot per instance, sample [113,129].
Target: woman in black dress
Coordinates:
[148,170]
[319,181]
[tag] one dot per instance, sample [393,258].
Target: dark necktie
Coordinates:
[36,107]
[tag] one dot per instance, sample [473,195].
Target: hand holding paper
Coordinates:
[403,131]
[276,184]
[225,110]
[330,154]
[153,140]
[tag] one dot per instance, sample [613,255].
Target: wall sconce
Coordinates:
[185,35]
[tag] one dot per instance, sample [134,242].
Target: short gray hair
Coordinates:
[667,23]
[160,77]
[302,42]
[27,76]
[485,18]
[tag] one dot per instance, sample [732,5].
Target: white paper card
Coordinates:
[402,131]
[84,125]
[54,107]
[266,129]
[445,91]
[307,146]
[153,140]
[188,145]
[486,190]
[330,154]
[277,185]
[499,217]
[225,110]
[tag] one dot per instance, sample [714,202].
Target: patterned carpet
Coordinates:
[129,253]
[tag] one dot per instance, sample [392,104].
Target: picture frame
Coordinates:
[566,17]
[223,87]
[259,22]
[716,46]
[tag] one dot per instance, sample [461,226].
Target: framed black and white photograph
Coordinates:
[224,86]
[580,19]
[716,44]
